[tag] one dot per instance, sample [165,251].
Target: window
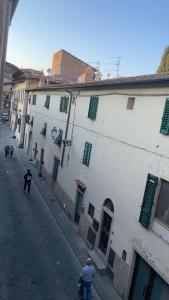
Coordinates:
[93,108]
[130,103]
[27,118]
[87,153]
[164,129]
[64,104]
[34,100]
[148,200]
[162,210]
[31,122]
[91,210]
[47,102]
[43,132]
[29,99]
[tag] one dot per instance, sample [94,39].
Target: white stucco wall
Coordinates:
[126,146]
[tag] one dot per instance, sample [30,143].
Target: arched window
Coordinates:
[109,204]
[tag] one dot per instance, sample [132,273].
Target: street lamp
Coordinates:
[54,133]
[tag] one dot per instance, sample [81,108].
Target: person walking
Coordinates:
[11,150]
[86,278]
[6,150]
[27,179]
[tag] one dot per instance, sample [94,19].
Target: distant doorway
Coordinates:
[78,210]
[55,168]
[41,164]
[105,232]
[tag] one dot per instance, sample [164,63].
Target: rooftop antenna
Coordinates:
[116,64]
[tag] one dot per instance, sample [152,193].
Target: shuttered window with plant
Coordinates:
[165,119]
[47,102]
[93,107]
[87,153]
[64,104]
[148,200]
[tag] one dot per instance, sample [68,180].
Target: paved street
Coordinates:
[36,260]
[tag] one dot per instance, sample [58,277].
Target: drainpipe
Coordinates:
[67,126]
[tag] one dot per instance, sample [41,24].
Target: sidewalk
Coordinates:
[102,282]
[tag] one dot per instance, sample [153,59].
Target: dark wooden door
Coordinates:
[105,232]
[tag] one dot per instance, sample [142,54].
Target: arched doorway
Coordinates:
[107,216]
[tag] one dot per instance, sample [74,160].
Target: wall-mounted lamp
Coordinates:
[57,137]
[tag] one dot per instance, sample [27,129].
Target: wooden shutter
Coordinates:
[86,154]
[165,119]
[34,100]
[148,200]
[61,104]
[93,108]
[47,102]
[66,100]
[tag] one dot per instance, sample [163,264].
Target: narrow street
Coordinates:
[36,260]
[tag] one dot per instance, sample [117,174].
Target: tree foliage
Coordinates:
[164,65]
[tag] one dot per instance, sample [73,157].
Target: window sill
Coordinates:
[161,230]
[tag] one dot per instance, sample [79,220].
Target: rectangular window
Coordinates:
[87,153]
[34,100]
[91,210]
[43,132]
[93,107]
[64,104]
[164,129]
[29,99]
[130,103]
[47,102]
[162,210]
[27,118]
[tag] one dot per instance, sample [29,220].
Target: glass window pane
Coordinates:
[162,211]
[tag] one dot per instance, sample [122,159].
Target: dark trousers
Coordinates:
[27,183]
[87,285]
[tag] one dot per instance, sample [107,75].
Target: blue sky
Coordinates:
[93,30]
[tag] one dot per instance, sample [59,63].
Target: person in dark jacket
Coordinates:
[6,150]
[27,178]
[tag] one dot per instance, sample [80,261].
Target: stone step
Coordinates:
[97,260]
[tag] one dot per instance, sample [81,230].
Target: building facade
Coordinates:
[7,9]
[67,67]
[103,148]
[27,78]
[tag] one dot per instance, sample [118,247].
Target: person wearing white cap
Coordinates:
[86,278]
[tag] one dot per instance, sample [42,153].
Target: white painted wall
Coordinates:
[126,146]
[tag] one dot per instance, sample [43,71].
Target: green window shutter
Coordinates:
[43,132]
[61,104]
[87,153]
[47,102]
[165,119]
[34,100]
[148,200]
[66,100]
[93,108]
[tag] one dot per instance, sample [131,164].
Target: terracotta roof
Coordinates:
[120,82]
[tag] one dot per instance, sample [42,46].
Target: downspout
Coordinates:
[67,126]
